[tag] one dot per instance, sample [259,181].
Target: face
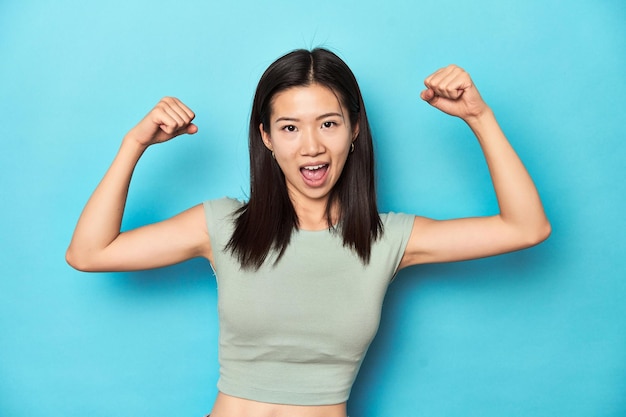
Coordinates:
[310,135]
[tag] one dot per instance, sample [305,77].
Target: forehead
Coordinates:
[306,100]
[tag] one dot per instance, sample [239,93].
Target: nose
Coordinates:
[311,143]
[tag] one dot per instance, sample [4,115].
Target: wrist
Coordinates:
[132,147]
[130,141]
[474,121]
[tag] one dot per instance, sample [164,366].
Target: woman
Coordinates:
[303,266]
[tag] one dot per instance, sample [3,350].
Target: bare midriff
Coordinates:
[229,406]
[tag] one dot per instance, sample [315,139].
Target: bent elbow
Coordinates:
[72,260]
[547,231]
[539,234]
[78,261]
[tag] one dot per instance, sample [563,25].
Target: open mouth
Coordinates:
[314,173]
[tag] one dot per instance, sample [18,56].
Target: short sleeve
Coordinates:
[220,215]
[397,228]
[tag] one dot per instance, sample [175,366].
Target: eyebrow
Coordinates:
[320,117]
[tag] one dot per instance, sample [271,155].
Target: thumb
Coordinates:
[427,95]
[191,129]
[440,103]
[433,99]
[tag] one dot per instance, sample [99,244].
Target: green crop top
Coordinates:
[296,332]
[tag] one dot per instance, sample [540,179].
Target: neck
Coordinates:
[312,216]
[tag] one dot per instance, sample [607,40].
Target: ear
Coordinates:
[355,131]
[266,137]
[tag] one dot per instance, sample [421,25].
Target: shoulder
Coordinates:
[397,223]
[397,228]
[221,207]
[220,216]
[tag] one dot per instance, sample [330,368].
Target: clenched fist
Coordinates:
[168,119]
[452,91]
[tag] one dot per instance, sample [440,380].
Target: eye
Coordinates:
[289,128]
[328,124]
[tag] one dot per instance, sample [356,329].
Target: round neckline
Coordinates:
[307,231]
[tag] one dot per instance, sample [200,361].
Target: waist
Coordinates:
[229,406]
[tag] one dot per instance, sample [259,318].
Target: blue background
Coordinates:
[536,333]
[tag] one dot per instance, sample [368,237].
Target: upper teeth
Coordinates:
[311,168]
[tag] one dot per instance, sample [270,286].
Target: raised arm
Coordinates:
[521,222]
[98,244]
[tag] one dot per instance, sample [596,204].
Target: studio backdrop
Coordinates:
[537,333]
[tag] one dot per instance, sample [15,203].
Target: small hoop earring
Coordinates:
[352,147]
[273,156]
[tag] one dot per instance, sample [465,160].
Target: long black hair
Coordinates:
[267,221]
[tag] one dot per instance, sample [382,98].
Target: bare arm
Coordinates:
[98,244]
[521,221]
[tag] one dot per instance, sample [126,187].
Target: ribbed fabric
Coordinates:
[296,332]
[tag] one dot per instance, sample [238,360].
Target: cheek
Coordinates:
[342,147]
[283,150]
[283,158]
